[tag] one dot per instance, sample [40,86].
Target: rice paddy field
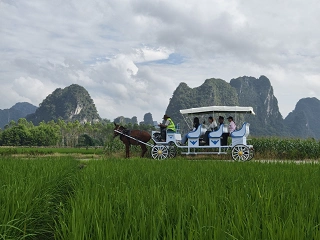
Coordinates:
[182,198]
[39,151]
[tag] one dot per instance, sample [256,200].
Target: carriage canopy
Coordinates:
[218,109]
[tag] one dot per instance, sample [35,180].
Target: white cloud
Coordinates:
[147,54]
[30,89]
[110,48]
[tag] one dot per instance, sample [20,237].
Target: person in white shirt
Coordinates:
[212,126]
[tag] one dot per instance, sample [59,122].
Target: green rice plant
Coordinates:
[31,193]
[67,150]
[8,151]
[181,199]
[114,146]
[36,151]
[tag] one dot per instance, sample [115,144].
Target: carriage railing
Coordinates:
[178,128]
[148,144]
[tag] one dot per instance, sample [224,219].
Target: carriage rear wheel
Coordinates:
[251,154]
[241,153]
[159,152]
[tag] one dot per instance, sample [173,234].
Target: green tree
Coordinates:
[45,135]
[85,140]
[16,136]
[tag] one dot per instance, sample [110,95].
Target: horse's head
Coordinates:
[117,129]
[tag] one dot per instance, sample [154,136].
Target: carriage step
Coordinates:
[204,153]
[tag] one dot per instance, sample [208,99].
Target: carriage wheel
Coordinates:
[251,154]
[240,152]
[159,152]
[172,150]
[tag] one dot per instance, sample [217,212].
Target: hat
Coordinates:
[165,116]
[230,118]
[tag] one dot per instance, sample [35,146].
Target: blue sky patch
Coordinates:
[174,59]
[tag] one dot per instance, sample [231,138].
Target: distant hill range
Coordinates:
[303,120]
[70,104]
[74,103]
[19,110]
[147,120]
[249,91]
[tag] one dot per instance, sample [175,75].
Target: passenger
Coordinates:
[224,137]
[167,126]
[232,126]
[211,127]
[196,124]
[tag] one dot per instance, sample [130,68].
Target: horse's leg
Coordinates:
[127,150]
[143,149]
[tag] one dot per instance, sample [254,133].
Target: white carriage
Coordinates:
[239,149]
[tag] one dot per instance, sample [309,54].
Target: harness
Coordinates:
[128,136]
[127,132]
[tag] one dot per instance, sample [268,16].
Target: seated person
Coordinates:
[212,126]
[196,124]
[167,126]
[224,137]
[232,126]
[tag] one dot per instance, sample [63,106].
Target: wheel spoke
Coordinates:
[159,152]
[240,152]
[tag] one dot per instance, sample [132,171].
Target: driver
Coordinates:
[167,126]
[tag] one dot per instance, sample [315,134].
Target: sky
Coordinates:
[130,55]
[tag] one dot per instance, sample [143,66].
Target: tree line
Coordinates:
[60,133]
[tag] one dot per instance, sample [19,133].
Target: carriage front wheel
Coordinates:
[159,152]
[241,153]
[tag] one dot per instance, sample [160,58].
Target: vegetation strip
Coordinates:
[98,139]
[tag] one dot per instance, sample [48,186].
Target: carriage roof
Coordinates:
[218,109]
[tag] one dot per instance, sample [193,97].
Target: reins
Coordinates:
[122,134]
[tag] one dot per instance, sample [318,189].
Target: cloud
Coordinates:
[30,89]
[131,55]
[118,86]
